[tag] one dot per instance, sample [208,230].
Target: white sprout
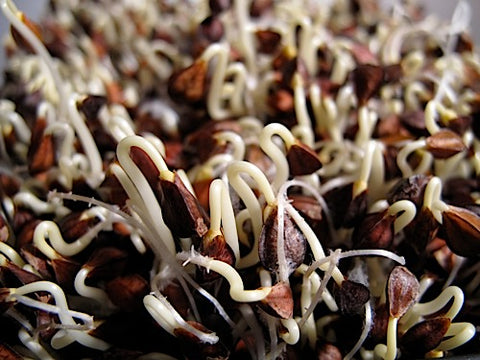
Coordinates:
[407,211]
[432,198]
[169,319]
[39,207]
[49,230]
[11,254]
[137,187]
[234,174]
[237,288]
[91,292]
[221,211]
[32,344]
[274,152]
[63,337]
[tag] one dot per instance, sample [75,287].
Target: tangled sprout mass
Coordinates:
[232,179]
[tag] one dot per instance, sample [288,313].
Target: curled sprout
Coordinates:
[91,292]
[49,230]
[169,319]
[222,217]
[432,199]
[63,337]
[33,345]
[101,77]
[9,253]
[239,184]
[457,333]
[237,289]
[274,152]
[138,188]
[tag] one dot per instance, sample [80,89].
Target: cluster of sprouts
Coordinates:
[239,179]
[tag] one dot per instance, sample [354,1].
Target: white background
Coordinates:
[444,8]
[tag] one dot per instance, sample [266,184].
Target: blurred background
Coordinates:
[443,8]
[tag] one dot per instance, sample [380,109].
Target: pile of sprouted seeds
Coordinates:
[239,179]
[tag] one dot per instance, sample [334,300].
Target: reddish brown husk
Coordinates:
[312,212]
[279,302]
[41,153]
[308,206]
[392,73]
[356,209]
[462,231]
[37,260]
[91,105]
[45,321]
[106,263]
[424,336]
[302,160]
[378,332]
[7,353]
[287,64]
[189,84]
[375,231]
[460,124]
[258,7]
[345,211]
[218,6]
[65,271]
[256,156]
[367,79]
[351,297]
[281,101]
[146,165]
[402,291]
[111,191]
[328,351]
[23,276]
[201,188]
[72,226]
[444,144]
[414,122]
[421,230]
[32,26]
[412,188]
[182,211]
[268,41]
[127,292]
[216,248]
[175,291]
[210,29]
[294,243]
[201,144]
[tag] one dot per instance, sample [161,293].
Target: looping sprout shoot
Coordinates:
[138,188]
[237,289]
[107,103]
[239,184]
[274,152]
[432,198]
[169,319]
[49,230]
[66,336]
[222,218]
[217,92]
[458,333]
